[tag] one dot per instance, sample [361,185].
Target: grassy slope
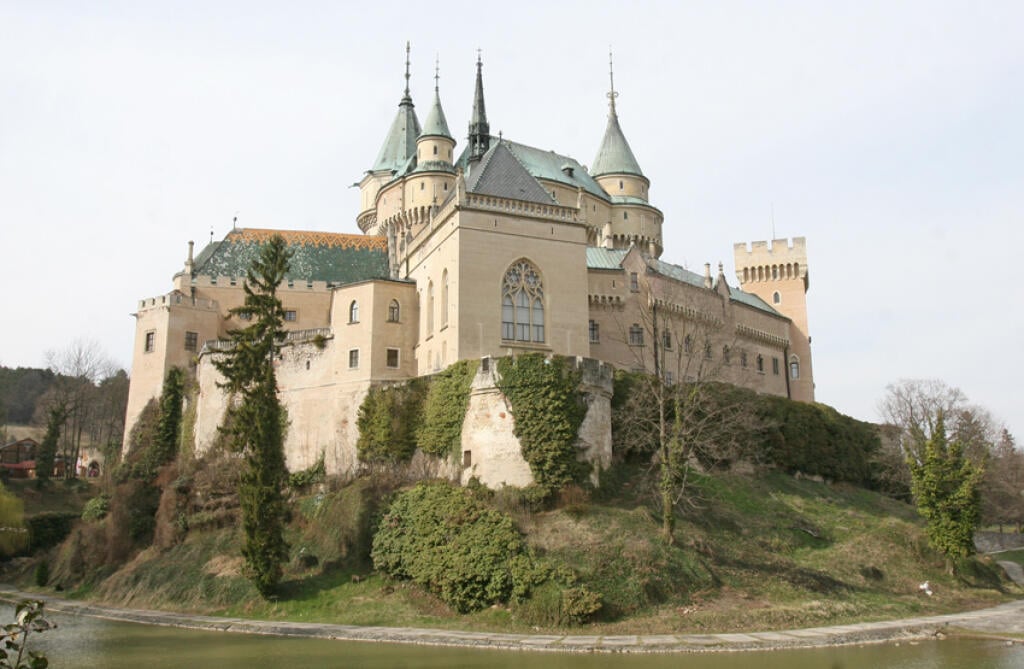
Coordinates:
[762,552]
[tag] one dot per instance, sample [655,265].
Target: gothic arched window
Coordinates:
[522,303]
[444,298]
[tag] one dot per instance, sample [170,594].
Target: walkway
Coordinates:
[1006,619]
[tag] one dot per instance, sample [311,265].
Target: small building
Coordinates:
[18,459]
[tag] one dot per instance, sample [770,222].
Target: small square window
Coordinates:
[244,316]
[150,344]
[353,358]
[392,358]
[191,341]
[290,315]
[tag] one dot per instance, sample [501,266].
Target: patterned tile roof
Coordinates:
[499,173]
[316,256]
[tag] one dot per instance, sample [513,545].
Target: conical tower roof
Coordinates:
[400,142]
[436,124]
[614,156]
[479,129]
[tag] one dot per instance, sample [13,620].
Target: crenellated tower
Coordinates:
[776,272]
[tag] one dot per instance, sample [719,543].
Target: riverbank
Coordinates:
[1003,621]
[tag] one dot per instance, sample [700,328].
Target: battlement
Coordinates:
[176,298]
[775,260]
[797,246]
[294,284]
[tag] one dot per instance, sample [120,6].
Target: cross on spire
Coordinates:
[612,94]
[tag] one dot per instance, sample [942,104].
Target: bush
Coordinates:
[306,477]
[49,528]
[96,508]
[446,540]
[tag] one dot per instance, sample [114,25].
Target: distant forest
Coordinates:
[20,390]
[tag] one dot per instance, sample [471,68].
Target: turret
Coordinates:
[615,166]
[777,273]
[399,146]
[435,142]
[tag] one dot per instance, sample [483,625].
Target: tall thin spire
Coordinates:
[407,96]
[436,123]
[611,78]
[479,130]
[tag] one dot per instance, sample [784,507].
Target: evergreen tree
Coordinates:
[945,484]
[256,421]
[168,428]
[47,451]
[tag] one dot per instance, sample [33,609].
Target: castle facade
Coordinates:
[494,250]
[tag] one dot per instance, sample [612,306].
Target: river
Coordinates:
[90,643]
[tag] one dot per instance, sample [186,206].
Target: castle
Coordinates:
[497,250]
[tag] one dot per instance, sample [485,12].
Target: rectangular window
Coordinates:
[353,358]
[595,332]
[150,341]
[467,458]
[775,366]
[392,358]
[666,340]
[290,315]
[669,379]
[636,335]
[191,341]
[244,316]
[634,282]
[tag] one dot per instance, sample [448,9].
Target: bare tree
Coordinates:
[78,368]
[680,408]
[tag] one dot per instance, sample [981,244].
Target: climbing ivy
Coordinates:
[548,409]
[444,409]
[388,420]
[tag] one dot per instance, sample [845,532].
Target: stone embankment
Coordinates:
[1006,620]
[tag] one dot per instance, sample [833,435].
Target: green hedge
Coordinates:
[443,538]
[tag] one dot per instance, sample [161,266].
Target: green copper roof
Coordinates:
[316,256]
[436,123]
[599,257]
[614,156]
[400,142]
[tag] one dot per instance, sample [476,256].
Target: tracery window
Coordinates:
[522,303]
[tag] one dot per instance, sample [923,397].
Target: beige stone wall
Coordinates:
[703,315]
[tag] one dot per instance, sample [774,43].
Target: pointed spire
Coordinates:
[400,142]
[479,130]
[614,155]
[436,123]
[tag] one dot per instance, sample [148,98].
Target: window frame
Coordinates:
[523,308]
[353,358]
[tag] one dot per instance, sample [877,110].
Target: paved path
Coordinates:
[1003,620]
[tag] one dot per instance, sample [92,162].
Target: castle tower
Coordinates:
[633,220]
[435,143]
[479,129]
[776,272]
[399,146]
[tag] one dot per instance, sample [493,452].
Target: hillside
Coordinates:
[753,551]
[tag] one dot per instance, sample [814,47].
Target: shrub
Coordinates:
[41,576]
[49,528]
[96,508]
[443,538]
[307,477]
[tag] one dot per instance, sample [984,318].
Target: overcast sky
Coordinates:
[889,134]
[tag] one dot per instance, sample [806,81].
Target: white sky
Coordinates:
[887,133]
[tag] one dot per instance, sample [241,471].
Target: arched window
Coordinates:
[353,312]
[394,311]
[776,297]
[522,303]
[794,367]
[430,307]
[444,298]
